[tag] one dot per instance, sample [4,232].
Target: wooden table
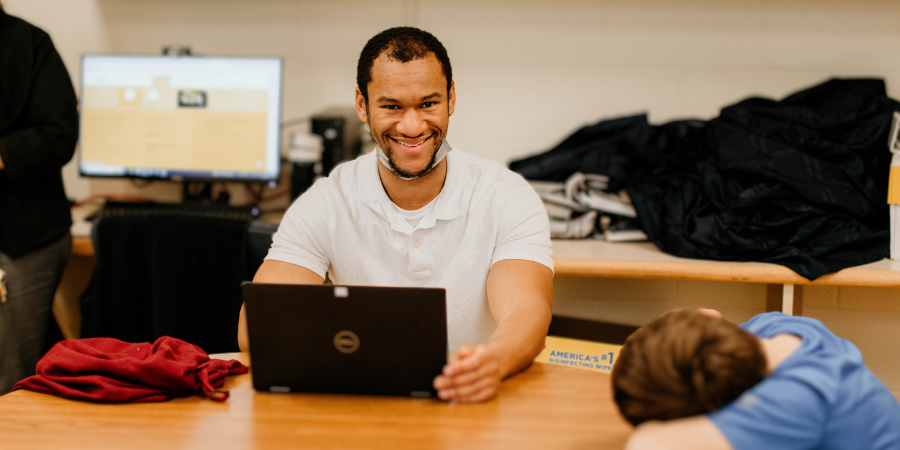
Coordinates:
[544,407]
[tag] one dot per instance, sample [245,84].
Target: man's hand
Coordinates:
[520,294]
[474,377]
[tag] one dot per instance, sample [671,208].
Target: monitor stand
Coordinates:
[201,192]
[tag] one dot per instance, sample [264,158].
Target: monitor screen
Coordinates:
[180,118]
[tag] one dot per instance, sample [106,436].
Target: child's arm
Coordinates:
[690,433]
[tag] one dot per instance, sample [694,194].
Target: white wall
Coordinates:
[527,72]
[530,72]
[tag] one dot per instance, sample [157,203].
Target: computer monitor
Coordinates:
[180,118]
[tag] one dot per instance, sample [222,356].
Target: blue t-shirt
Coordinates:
[821,397]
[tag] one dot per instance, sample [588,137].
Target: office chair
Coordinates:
[173,275]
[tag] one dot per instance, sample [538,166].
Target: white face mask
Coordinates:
[438,157]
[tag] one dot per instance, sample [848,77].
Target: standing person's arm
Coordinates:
[42,130]
[520,294]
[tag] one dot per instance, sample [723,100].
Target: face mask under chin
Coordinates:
[438,157]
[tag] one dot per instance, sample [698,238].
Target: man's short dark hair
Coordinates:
[684,364]
[402,44]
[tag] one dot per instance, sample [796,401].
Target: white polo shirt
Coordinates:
[346,225]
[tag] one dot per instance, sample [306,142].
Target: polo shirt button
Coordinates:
[416,244]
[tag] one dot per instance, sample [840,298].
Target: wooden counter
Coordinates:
[643,260]
[590,258]
[545,407]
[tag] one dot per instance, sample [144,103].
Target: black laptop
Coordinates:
[346,339]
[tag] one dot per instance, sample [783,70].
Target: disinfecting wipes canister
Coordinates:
[894,186]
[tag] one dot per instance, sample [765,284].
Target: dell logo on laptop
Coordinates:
[346,341]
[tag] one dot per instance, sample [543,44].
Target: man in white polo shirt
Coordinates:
[415,213]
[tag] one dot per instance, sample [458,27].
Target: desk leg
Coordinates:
[787,298]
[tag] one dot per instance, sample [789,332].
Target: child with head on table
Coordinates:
[691,380]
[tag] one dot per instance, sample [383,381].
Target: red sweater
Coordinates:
[111,371]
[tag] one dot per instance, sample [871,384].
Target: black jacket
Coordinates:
[38,132]
[800,182]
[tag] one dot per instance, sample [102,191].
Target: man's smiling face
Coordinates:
[408,111]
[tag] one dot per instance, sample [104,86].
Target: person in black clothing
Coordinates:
[38,132]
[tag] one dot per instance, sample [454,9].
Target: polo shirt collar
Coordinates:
[450,203]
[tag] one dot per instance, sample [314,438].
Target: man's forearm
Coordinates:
[477,374]
[519,338]
[520,294]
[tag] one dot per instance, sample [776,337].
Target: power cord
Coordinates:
[144,182]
